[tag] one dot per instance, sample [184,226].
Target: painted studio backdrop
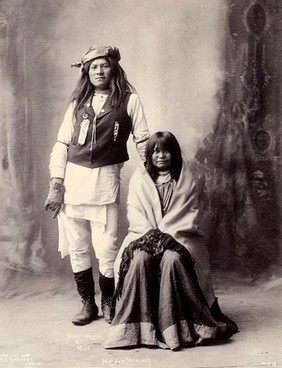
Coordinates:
[206,70]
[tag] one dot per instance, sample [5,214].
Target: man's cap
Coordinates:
[96,51]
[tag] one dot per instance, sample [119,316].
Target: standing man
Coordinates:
[85,166]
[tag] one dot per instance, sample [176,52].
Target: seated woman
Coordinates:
[164,295]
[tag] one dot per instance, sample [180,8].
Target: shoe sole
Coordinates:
[78,323]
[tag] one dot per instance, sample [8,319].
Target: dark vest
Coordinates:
[100,140]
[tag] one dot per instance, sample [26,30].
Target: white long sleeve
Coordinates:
[59,154]
[140,129]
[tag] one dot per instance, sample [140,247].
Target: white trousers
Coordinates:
[102,237]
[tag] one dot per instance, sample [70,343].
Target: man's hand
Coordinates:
[55,197]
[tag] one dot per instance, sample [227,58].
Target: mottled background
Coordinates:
[209,71]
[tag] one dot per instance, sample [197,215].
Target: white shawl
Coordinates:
[144,212]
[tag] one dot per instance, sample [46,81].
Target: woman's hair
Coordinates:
[119,85]
[167,141]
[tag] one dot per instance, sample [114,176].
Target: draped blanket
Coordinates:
[164,285]
[180,222]
[155,243]
[158,301]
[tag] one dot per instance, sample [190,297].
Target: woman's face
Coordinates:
[161,159]
[100,74]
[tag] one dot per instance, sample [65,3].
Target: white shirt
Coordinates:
[97,186]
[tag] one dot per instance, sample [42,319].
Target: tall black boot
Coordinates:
[107,286]
[219,316]
[86,289]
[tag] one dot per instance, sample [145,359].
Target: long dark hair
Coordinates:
[167,141]
[119,85]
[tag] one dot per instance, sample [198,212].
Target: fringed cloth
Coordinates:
[155,243]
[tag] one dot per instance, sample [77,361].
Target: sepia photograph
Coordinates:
[140,224]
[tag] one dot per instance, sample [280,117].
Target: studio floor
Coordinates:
[36,328]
